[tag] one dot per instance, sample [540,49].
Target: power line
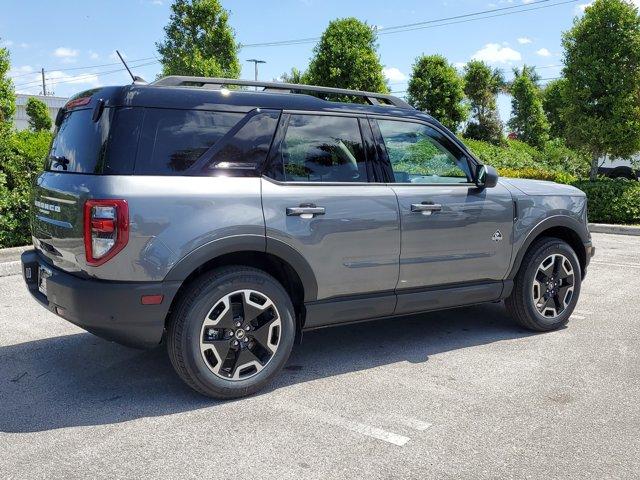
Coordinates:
[430,23]
[86,76]
[87,67]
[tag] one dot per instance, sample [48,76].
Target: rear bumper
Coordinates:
[111,310]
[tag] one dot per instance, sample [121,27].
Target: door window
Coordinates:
[322,148]
[421,154]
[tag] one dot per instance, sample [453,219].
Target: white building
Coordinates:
[21,120]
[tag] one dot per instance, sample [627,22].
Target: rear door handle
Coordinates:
[309,210]
[426,208]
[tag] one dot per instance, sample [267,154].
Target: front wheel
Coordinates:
[547,286]
[231,332]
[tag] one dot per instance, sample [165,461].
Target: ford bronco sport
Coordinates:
[224,221]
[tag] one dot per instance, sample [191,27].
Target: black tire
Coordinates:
[184,334]
[521,305]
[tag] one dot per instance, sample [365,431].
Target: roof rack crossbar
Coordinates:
[218,83]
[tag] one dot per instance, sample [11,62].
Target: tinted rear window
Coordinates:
[172,140]
[80,143]
[104,147]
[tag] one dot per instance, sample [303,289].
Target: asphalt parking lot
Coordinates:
[456,394]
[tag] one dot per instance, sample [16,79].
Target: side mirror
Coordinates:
[486,177]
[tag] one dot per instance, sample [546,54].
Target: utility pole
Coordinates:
[255,66]
[44,85]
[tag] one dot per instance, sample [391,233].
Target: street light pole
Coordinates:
[255,67]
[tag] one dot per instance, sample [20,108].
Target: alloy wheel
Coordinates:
[553,285]
[240,334]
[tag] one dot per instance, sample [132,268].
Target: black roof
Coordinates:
[186,97]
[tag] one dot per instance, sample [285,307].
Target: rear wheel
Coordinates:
[547,286]
[232,332]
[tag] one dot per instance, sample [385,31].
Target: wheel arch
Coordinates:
[562,227]
[279,260]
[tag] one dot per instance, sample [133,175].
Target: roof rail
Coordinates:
[218,83]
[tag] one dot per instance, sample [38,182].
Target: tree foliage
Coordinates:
[481,86]
[554,102]
[602,68]
[528,120]
[436,88]
[7,95]
[199,41]
[346,57]
[294,76]
[38,113]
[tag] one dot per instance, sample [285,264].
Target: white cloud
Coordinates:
[64,52]
[495,53]
[527,1]
[543,52]
[524,40]
[460,65]
[93,55]
[156,2]
[393,74]
[5,43]
[580,8]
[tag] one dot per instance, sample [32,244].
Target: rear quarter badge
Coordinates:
[497,236]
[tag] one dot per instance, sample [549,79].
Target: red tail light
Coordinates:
[106,229]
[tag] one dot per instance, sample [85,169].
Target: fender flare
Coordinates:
[555,221]
[246,243]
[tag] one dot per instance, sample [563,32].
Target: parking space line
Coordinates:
[353,426]
[413,423]
[582,312]
[577,317]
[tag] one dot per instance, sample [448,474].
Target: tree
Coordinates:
[294,76]
[528,120]
[199,41]
[554,103]
[436,88]
[7,95]
[602,68]
[346,57]
[481,86]
[38,114]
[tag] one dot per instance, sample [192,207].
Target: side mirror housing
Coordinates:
[487,176]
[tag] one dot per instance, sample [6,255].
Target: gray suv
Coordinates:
[224,221]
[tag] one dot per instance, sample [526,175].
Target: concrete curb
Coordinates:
[615,229]
[12,254]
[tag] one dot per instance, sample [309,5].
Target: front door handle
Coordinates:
[306,210]
[426,208]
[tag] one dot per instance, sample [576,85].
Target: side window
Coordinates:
[248,146]
[421,154]
[172,140]
[322,148]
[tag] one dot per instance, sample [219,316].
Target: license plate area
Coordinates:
[43,274]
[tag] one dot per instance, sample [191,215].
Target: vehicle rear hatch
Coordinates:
[93,138]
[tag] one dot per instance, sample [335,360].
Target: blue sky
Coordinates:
[75,41]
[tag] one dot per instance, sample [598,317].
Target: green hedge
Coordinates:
[22,156]
[612,201]
[537,174]
[516,155]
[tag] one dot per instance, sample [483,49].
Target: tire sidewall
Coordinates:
[205,300]
[531,270]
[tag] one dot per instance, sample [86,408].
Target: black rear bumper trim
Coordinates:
[111,310]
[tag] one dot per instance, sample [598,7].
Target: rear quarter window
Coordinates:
[172,140]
